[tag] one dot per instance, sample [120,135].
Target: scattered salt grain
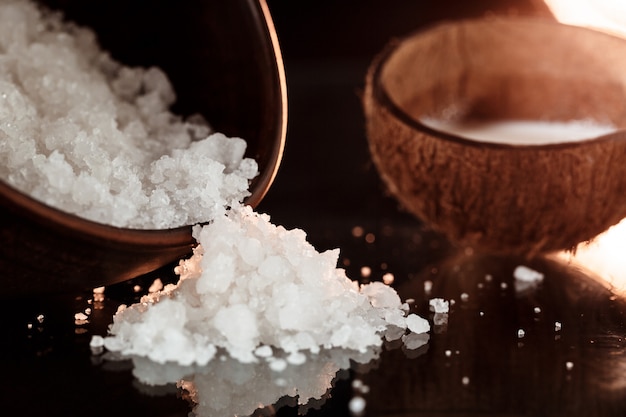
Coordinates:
[40,318]
[80,316]
[81,319]
[96,341]
[569,365]
[357,405]
[366,271]
[557,326]
[537,310]
[388,278]
[428,286]
[98,294]
[278,365]
[251,283]
[91,137]
[526,274]
[521,333]
[464,296]
[296,358]
[360,387]
[465,380]
[439,305]
[417,324]
[264,351]
[157,285]
[448,353]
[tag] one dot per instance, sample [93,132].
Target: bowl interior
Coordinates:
[224,62]
[513,69]
[222,59]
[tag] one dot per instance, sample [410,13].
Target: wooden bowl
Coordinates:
[224,61]
[503,196]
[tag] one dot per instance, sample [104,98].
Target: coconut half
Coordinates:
[503,194]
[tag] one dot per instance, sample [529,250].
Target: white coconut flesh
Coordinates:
[520,132]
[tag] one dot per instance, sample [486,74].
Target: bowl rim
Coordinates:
[382,97]
[265,179]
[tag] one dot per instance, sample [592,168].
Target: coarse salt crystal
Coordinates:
[91,137]
[526,274]
[439,305]
[417,324]
[96,341]
[290,297]
[157,285]
[264,351]
[80,316]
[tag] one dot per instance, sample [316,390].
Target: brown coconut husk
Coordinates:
[502,197]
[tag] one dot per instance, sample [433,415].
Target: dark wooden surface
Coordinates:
[327,186]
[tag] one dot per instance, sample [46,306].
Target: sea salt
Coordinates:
[526,274]
[417,324]
[251,283]
[157,285]
[85,134]
[357,405]
[439,305]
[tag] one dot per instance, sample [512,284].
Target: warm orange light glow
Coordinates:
[606,15]
[604,257]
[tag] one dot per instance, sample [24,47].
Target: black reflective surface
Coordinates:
[552,349]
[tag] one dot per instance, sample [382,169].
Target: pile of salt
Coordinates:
[85,134]
[249,284]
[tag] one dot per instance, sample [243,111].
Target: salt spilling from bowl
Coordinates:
[85,134]
[251,283]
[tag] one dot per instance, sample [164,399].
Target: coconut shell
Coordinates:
[501,197]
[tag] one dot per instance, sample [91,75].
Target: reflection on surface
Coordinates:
[227,387]
[554,349]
